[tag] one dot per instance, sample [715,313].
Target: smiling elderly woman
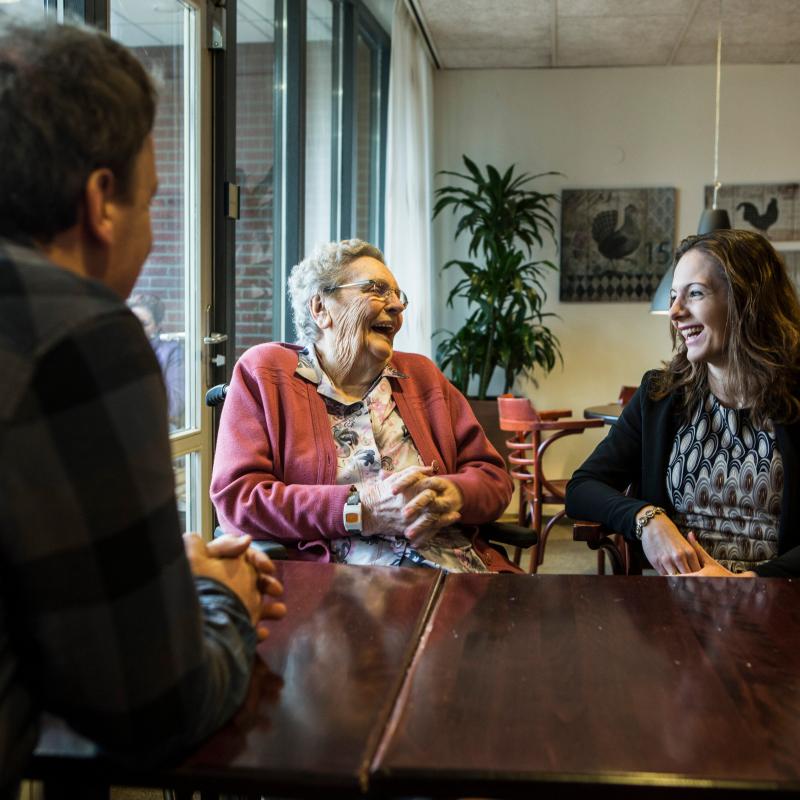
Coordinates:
[349,451]
[710,443]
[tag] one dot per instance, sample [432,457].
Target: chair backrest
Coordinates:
[625,394]
[516,413]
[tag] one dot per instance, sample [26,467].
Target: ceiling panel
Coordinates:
[596,33]
[624,8]
[626,40]
[509,58]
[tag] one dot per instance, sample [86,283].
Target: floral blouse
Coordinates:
[725,479]
[372,441]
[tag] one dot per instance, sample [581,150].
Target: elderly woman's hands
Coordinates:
[436,506]
[383,501]
[411,503]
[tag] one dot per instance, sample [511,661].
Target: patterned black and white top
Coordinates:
[725,479]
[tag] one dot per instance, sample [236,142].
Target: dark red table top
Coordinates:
[325,682]
[600,683]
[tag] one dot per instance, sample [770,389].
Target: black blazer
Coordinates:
[636,452]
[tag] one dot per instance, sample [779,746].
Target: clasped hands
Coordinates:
[670,553]
[248,572]
[413,503]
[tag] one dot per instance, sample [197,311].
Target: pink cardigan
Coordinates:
[275,464]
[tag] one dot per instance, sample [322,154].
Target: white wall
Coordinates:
[609,128]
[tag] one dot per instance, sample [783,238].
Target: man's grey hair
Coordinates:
[324,268]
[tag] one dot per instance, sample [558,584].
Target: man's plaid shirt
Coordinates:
[101,621]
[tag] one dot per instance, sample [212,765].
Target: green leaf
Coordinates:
[506,220]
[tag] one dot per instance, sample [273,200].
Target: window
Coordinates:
[168,296]
[311,94]
[255,173]
[318,123]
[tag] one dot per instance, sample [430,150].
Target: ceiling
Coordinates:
[480,34]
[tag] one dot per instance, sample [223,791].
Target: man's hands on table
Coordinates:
[247,572]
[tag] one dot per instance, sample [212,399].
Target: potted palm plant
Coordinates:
[505,328]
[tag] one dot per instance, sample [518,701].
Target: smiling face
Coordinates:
[358,326]
[699,310]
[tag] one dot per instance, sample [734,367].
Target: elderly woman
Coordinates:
[710,443]
[347,450]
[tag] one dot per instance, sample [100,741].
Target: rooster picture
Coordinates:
[761,222]
[617,243]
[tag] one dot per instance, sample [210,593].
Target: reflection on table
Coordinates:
[393,682]
[602,685]
[324,683]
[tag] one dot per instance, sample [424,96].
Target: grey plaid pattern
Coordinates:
[101,621]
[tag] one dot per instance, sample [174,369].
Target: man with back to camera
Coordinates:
[104,620]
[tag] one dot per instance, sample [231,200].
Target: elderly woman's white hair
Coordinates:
[324,268]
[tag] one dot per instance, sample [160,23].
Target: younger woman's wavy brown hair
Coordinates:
[762,331]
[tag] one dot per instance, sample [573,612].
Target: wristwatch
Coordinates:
[351,512]
[651,512]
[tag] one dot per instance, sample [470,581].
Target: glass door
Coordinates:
[173,290]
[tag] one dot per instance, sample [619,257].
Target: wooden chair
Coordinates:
[626,558]
[625,394]
[534,432]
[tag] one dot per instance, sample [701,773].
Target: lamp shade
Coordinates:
[660,302]
[713,219]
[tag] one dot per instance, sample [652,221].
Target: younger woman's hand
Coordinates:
[666,547]
[709,567]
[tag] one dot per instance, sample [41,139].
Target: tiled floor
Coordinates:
[563,556]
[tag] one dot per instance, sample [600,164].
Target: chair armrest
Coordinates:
[571,425]
[627,558]
[598,537]
[508,533]
[275,550]
[591,532]
[555,413]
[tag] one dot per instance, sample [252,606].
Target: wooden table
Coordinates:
[396,682]
[607,686]
[326,680]
[608,412]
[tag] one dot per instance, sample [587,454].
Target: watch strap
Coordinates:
[351,512]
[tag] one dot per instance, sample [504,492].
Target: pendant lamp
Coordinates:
[712,219]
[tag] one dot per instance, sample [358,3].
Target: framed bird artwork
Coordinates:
[771,209]
[615,243]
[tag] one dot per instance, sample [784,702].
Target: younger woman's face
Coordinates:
[699,309]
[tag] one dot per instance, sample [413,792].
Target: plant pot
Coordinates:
[487,414]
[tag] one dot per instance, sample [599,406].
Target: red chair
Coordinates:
[626,558]
[625,394]
[534,432]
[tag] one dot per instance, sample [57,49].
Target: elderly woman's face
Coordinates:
[363,323]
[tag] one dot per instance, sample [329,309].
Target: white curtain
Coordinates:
[409,179]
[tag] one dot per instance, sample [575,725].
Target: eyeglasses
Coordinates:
[377,288]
